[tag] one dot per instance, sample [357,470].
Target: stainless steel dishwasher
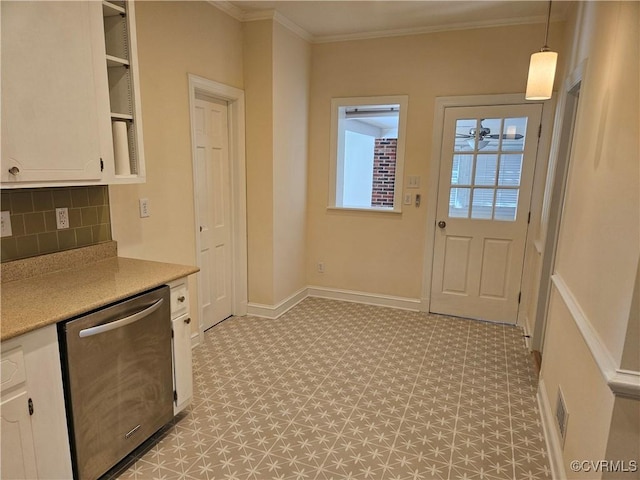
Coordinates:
[118,379]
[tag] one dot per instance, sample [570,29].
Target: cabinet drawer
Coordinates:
[179,300]
[13,372]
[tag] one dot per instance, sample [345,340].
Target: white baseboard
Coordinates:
[527,331]
[366,298]
[195,339]
[551,436]
[274,311]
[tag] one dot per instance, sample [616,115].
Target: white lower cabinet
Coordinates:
[181,345]
[33,434]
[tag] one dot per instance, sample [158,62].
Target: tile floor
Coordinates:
[336,390]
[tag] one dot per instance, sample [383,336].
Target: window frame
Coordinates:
[336,103]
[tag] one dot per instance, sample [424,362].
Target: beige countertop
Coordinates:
[41,300]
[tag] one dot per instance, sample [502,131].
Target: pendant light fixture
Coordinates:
[542,69]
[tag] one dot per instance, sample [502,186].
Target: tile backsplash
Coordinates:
[33,220]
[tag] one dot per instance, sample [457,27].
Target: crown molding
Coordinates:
[401,32]
[228,8]
[257,15]
[271,14]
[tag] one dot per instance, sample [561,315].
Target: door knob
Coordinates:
[442,224]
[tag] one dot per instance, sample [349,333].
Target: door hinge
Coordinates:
[539,130]
[30,405]
[101,165]
[175,396]
[172,335]
[519,297]
[529,218]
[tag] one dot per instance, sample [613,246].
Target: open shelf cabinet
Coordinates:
[124,96]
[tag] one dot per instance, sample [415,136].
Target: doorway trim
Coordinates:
[555,188]
[441,104]
[235,100]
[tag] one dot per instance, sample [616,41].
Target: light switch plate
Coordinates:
[414,182]
[6,224]
[407,199]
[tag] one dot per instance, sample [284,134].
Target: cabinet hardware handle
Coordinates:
[14,170]
[181,298]
[88,332]
[187,321]
[30,404]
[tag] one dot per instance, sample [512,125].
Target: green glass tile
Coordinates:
[34,223]
[27,246]
[103,214]
[84,236]
[75,217]
[97,195]
[6,201]
[42,200]
[21,202]
[17,225]
[9,249]
[67,239]
[61,197]
[79,197]
[89,216]
[101,233]
[48,242]
[50,221]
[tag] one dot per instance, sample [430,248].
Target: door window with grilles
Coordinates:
[486,168]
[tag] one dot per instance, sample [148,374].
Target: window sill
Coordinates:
[364,210]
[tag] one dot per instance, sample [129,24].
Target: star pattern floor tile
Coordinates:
[338,390]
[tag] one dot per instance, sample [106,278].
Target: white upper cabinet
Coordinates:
[56,106]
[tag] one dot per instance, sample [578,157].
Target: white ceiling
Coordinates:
[327,20]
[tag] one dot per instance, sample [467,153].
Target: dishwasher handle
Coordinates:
[88,332]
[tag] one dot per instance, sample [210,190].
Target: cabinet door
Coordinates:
[18,454]
[182,368]
[50,121]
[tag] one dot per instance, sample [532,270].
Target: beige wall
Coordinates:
[277,65]
[174,39]
[291,71]
[567,363]
[599,240]
[384,253]
[258,68]
[624,443]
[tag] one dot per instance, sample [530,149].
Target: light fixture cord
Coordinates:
[546,32]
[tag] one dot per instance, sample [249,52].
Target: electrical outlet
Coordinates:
[62,218]
[320,267]
[407,199]
[144,208]
[6,224]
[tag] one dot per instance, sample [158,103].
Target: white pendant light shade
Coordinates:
[542,71]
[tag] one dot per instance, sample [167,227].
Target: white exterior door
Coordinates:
[213,198]
[487,162]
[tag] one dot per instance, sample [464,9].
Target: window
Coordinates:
[486,168]
[367,152]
